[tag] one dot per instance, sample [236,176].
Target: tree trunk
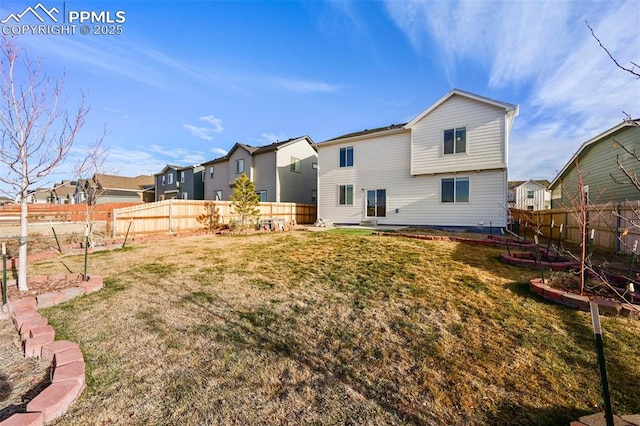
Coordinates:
[22,252]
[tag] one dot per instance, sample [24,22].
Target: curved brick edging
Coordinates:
[524,259]
[38,340]
[606,306]
[489,241]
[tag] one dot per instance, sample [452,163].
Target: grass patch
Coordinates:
[333,327]
[349,231]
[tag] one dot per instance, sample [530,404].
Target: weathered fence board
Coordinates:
[612,224]
[174,216]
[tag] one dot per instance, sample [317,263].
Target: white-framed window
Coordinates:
[455,140]
[262,196]
[295,165]
[345,195]
[210,172]
[182,176]
[170,178]
[529,193]
[163,180]
[314,196]
[217,194]
[185,196]
[455,190]
[346,156]
[240,166]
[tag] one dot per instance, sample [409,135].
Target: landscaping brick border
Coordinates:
[573,300]
[38,340]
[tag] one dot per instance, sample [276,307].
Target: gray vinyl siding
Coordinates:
[297,187]
[597,163]
[239,153]
[264,174]
[220,181]
[169,190]
[485,130]
[192,184]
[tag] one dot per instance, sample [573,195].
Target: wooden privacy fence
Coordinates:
[171,216]
[60,212]
[612,225]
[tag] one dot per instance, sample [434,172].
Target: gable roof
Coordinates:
[123,182]
[509,108]
[255,150]
[515,183]
[592,141]
[366,132]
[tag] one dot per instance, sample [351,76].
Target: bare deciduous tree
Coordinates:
[86,170]
[37,131]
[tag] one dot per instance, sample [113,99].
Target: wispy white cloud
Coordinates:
[543,55]
[219,151]
[306,86]
[271,137]
[130,59]
[206,132]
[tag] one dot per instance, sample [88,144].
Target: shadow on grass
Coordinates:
[530,415]
[622,379]
[331,371]
[10,410]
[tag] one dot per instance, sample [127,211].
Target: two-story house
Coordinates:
[600,162]
[529,195]
[281,172]
[179,182]
[103,188]
[447,167]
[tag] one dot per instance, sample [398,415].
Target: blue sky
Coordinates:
[186,80]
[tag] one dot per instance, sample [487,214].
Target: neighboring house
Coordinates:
[529,194]
[596,158]
[103,188]
[38,196]
[62,193]
[281,172]
[6,201]
[447,167]
[179,182]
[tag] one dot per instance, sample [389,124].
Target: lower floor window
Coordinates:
[262,196]
[455,190]
[217,194]
[185,196]
[346,195]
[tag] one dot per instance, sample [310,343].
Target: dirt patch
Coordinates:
[40,286]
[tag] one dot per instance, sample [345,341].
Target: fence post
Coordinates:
[115,224]
[618,236]
[170,204]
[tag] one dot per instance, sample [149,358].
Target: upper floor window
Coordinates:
[295,164]
[455,140]
[210,172]
[163,180]
[346,195]
[170,178]
[240,166]
[529,193]
[455,190]
[346,157]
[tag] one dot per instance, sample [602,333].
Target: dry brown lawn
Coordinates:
[331,328]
